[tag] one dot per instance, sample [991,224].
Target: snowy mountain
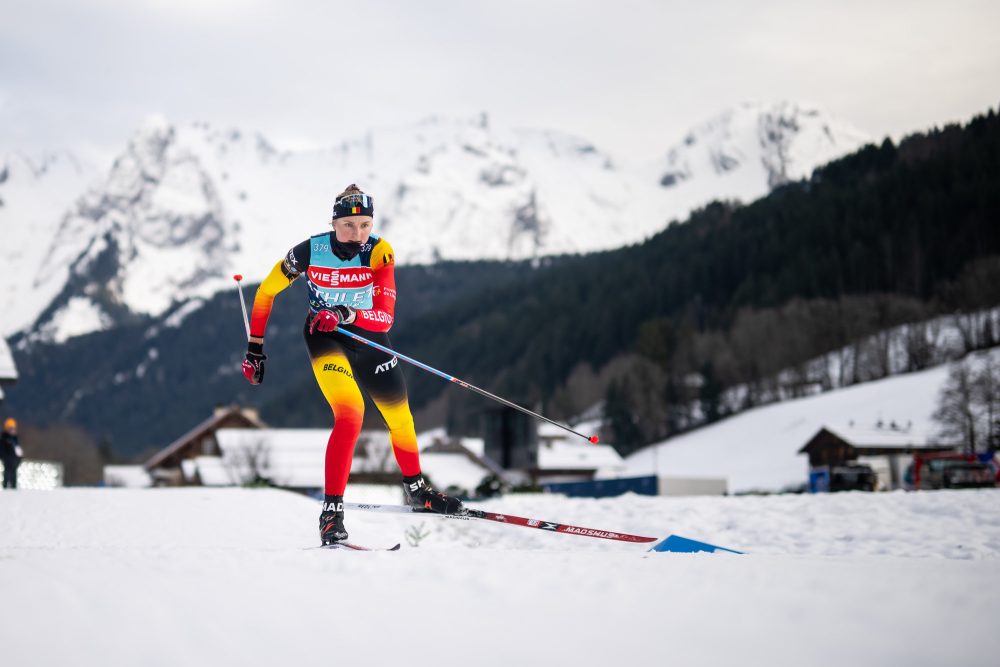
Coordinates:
[35,193]
[184,207]
[749,150]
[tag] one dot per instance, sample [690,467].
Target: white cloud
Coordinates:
[631,77]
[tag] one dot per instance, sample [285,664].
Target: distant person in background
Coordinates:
[10,454]
[351,282]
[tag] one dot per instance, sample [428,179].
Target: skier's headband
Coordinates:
[353,204]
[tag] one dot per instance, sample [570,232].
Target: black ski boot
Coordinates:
[331,520]
[424,498]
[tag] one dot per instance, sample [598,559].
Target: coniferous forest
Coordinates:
[655,332]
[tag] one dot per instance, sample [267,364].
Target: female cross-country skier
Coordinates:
[350,276]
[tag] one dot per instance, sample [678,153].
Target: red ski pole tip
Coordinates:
[238,277]
[593,439]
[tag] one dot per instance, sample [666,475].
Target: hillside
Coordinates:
[888,235]
[885,236]
[757,450]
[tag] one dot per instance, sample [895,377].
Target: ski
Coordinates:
[508,519]
[354,547]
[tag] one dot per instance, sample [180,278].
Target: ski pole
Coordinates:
[243,304]
[593,438]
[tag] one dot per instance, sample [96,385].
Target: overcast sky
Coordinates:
[629,75]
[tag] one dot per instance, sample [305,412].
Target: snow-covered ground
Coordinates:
[222,577]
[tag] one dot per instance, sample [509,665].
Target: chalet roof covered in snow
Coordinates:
[294,458]
[127,476]
[836,446]
[452,470]
[199,439]
[890,436]
[560,450]
[436,436]
[289,457]
[562,455]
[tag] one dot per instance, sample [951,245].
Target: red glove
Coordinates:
[328,320]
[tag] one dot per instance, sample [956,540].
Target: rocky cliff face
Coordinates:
[184,207]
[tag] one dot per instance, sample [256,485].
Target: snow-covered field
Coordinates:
[222,577]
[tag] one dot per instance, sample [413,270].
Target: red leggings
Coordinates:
[343,368]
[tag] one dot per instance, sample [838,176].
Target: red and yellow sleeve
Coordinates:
[383,310]
[275,282]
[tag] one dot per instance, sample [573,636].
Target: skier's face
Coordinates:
[355,228]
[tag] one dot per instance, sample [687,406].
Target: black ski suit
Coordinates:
[10,458]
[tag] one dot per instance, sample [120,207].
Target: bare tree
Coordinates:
[969,404]
[377,452]
[922,340]
[582,389]
[249,463]
[955,413]
[753,339]
[974,296]
[986,385]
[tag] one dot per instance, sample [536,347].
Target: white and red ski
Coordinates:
[509,519]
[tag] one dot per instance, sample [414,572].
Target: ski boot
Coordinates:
[422,497]
[331,521]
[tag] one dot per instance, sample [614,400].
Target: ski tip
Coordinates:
[594,439]
[238,277]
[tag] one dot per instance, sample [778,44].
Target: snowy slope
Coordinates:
[185,207]
[8,369]
[220,577]
[36,191]
[757,449]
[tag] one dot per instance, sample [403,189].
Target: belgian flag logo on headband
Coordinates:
[353,204]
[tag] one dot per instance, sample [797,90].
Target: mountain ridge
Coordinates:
[184,207]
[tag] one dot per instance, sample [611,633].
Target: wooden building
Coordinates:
[888,449]
[174,464]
